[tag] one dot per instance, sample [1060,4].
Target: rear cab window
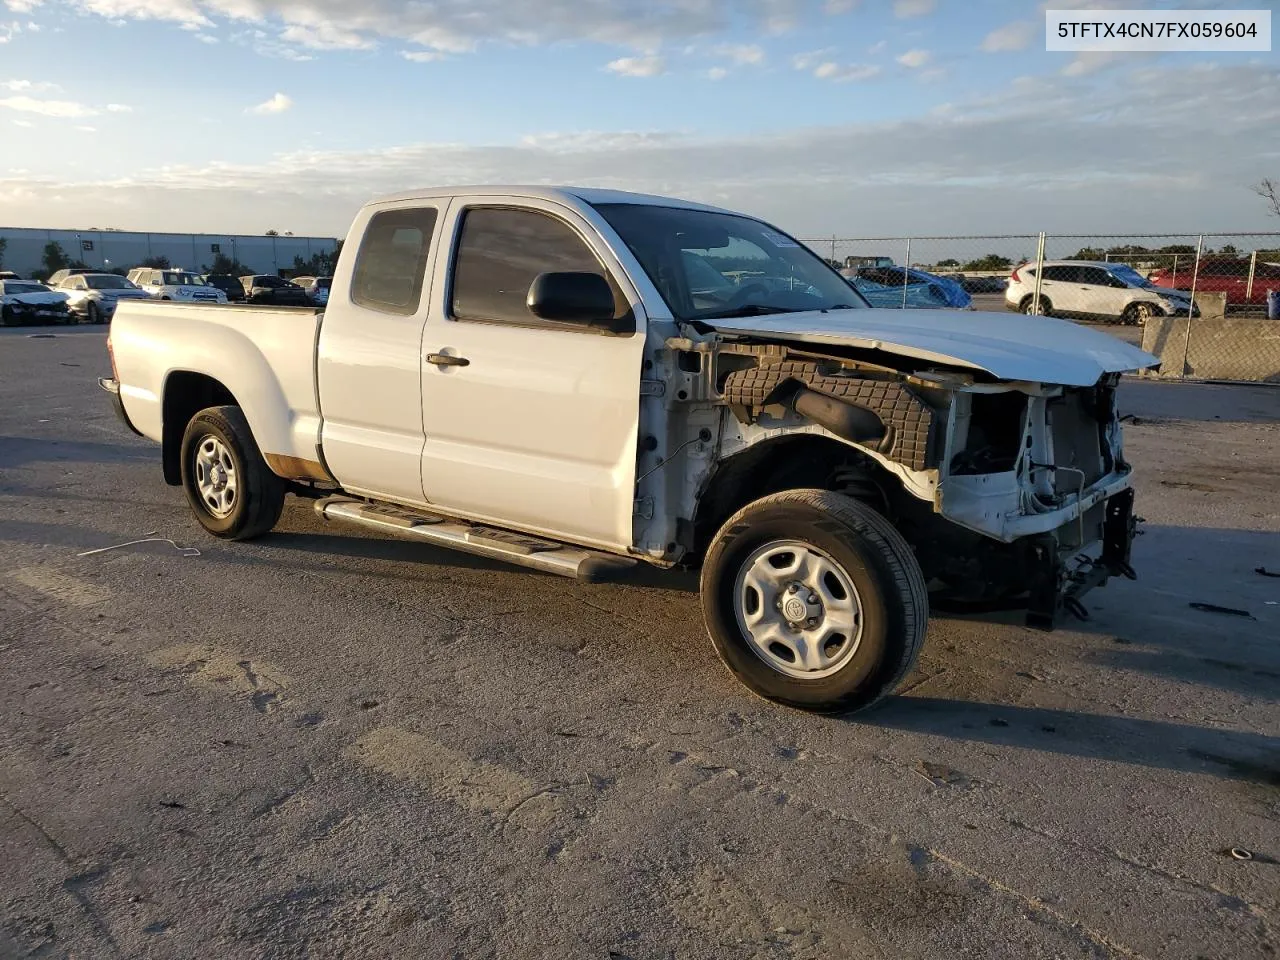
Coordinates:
[391,264]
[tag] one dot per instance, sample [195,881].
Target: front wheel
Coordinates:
[231,490]
[813,600]
[1137,314]
[93,313]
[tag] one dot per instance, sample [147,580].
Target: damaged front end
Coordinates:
[1013,494]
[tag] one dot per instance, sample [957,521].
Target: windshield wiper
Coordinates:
[749,310]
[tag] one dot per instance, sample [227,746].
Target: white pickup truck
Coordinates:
[582,380]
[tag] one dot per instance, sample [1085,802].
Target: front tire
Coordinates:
[93,313]
[1137,314]
[813,600]
[231,490]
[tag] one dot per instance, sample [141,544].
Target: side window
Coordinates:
[1062,274]
[392,262]
[1098,277]
[501,251]
[78,283]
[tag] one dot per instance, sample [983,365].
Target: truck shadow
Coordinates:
[1235,755]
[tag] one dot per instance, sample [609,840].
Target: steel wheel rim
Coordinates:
[215,475]
[798,610]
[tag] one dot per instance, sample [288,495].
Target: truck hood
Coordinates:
[1009,346]
[36,299]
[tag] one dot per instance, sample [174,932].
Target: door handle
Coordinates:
[447,360]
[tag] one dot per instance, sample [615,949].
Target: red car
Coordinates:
[1227,275]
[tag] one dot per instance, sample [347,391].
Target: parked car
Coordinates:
[547,388]
[9,275]
[26,301]
[316,288]
[981,284]
[276,291]
[61,275]
[175,284]
[92,297]
[1094,290]
[883,287]
[1228,275]
[227,284]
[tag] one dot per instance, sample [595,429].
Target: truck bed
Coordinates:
[263,356]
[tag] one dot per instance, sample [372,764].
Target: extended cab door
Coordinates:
[369,358]
[528,423]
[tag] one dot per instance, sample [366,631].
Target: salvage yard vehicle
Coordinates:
[532,374]
[176,284]
[1094,290]
[1245,282]
[27,301]
[93,297]
[275,291]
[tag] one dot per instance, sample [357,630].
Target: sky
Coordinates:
[853,118]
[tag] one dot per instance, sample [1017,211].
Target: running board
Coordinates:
[492,542]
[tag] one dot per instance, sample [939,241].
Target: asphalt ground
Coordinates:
[323,744]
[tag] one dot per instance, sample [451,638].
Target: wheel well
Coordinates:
[185,395]
[789,463]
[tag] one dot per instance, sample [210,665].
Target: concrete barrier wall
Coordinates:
[1211,348]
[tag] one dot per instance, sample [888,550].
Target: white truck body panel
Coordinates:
[264,357]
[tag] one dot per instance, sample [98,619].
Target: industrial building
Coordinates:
[24,249]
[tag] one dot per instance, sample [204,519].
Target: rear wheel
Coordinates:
[1028,306]
[231,490]
[814,600]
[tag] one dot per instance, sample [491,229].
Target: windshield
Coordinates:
[1130,276]
[109,282]
[174,279]
[713,265]
[23,286]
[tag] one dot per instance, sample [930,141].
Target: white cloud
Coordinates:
[1012,36]
[22,123]
[837,7]
[86,129]
[637,66]
[842,73]
[741,53]
[458,26]
[420,56]
[22,6]
[1091,61]
[913,59]
[1122,146]
[809,60]
[119,108]
[326,36]
[905,9]
[717,73]
[208,38]
[277,104]
[8,30]
[29,86]
[62,109]
[880,46]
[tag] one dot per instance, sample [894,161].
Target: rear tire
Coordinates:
[813,600]
[230,488]
[1028,305]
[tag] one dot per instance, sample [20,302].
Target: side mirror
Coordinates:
[585,299]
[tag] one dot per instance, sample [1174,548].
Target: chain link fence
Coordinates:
[1195,300]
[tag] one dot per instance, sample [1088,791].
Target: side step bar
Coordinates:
[492,542]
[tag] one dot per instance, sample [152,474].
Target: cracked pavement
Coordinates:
[325,744]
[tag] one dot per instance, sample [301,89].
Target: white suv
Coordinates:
[175,285]
[1093,290]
